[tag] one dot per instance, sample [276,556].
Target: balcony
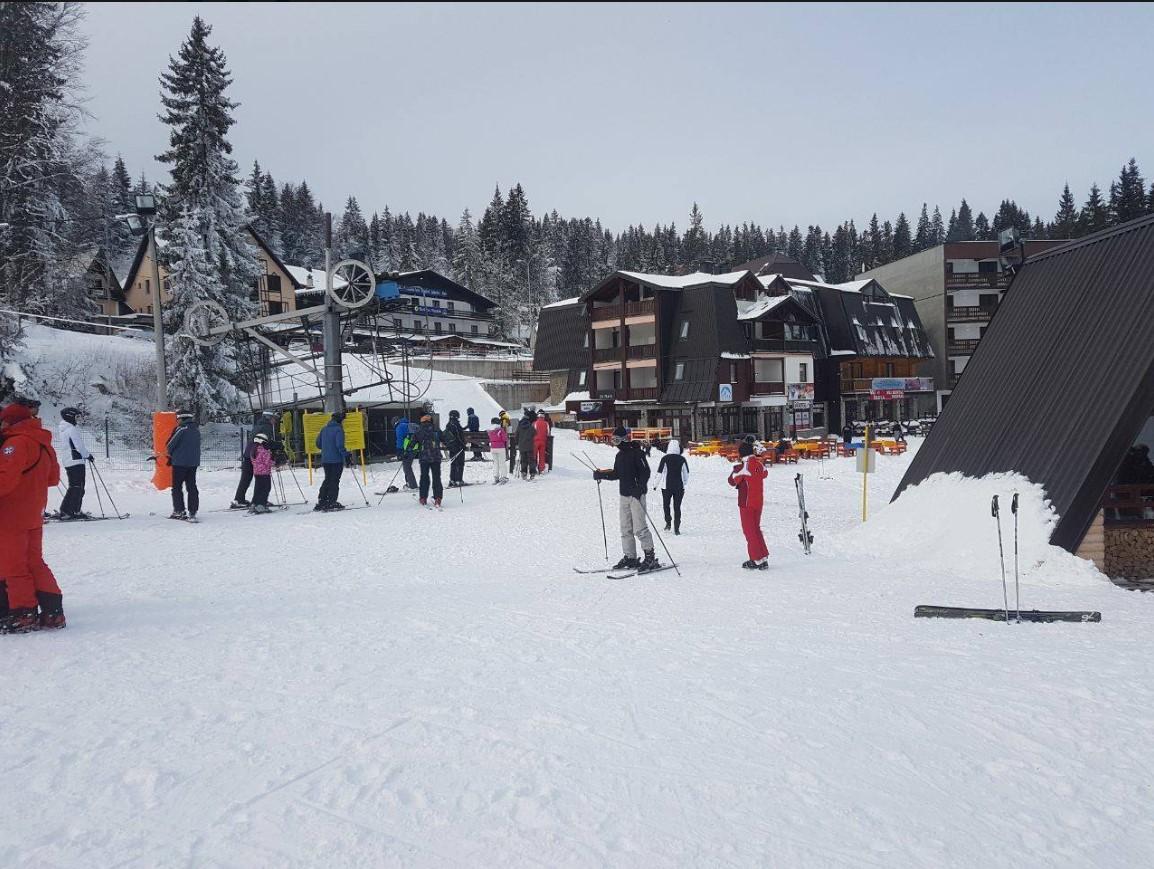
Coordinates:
[641,351]
[961,347]
[634,394]
[607,354]
[980,281]
[979,314]
[781,345]
[766,387]
[646,307]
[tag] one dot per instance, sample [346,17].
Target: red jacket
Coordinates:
[541,431]
[749,478]
[28,469]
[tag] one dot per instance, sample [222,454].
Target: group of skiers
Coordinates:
[631,471]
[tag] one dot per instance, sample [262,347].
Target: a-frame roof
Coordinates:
[1063,380]
[142,248]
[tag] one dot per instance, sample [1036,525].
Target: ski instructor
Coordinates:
[28,468]
[631,471]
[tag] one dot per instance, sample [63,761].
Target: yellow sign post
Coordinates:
[864,465]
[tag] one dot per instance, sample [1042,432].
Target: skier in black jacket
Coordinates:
[672,476]
[454,441]
[473,424]
[631,471]
[525,436]
[427,443]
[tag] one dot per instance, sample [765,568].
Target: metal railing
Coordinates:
[970,312]
[1129,505]
[767,387]
[978,281]
[962,347]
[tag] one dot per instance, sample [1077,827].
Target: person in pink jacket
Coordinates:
[498,441]
[262,465]
[540,439]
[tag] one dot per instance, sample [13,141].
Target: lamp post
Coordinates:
[146,207]
[529,289]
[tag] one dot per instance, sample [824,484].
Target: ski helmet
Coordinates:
[620,435]
[745,448]
[70,414]
[454,414]
[260,438]
[184,414]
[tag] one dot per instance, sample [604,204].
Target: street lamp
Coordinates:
[146,207]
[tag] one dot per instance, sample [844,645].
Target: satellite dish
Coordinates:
[203,319]
[359,287]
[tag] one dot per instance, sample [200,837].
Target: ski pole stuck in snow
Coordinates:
[1001,554]
[100,482]
[1017,592]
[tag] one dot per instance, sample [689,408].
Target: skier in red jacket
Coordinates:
[28,469]
[748,477]
[540,439]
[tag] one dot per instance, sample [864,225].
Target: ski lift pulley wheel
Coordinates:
[200,321]
[360,284]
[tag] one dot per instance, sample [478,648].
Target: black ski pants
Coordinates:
[457,468]
[74,497]
[182,479]
[431,470]
[245,479]
[261,489]
[331,487]
[528,463]
[672,496]
[410,477]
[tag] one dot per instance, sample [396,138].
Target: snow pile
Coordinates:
[945,525]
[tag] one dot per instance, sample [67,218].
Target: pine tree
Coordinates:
[887,243]
[1065,223]
[952,226]
[468,259]
[964,226]
[42,163]
[1128,194]
[1094,215]
[924,237]
[122,196]
[982,230]
[873,249]
[811,252]
[694,247]
[903,243]
[208,254]
[352,233]
[795,246]
[937,230]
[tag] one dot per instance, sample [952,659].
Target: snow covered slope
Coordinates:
[400,687]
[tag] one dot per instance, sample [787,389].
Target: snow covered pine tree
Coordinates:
[206,249]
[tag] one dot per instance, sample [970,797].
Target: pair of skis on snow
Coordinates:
[1005,614]
[621,574]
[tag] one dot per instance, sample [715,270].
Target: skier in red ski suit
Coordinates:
[28,469]
[540,439]
[748,477]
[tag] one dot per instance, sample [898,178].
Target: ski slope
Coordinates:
[400,687]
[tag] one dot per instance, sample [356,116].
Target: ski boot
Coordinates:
[761,565]
[20,621]
[51,611]
[749,564]
[649,563]
[437,503]
[240,504]
[178,514]
[424,502]
[320,508]
[336,505]
[259,509]
[667,526]
[191,517]
[627,563]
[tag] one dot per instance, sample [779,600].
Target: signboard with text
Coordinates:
[886,394]
[902,384]
[800,391]
[725,392]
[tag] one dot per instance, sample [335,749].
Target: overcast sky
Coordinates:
[775,114]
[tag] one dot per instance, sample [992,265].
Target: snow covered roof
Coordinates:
[725,355]
[681,282]
[753,310]
[563,303]
[305,276]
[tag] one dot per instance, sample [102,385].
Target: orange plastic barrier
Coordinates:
[163,425]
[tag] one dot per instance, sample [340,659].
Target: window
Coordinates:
[416,325]
[147,287]
[473,328]
[581,378]
[453,328]
[275,308]
[803,372]
[684,329]
[889,369]
[396,322]
[437,327]
[450,307]
[988,267]
[733,372]
[586,340]
[679,371]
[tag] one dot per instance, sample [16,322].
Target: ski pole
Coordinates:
[601,507]
[1017,591]
[99,500]
[658,533]
[358,482]
[1001,556]
[382,498]
[293,474]
[100,479]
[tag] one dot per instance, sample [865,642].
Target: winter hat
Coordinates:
[454,414]
[495,420]
[69,414]
[673,447]
[745,448]
[184,414]
[620,435]
[260,438]
[469,411]
[15,413]
[268,413]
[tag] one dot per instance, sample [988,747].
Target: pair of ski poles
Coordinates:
[591,465]
[100,501]
[460,489]
[1002,557]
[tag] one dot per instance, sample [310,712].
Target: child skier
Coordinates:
[748,478]
[631,471]
[672,477]
[262,465]
[498,440]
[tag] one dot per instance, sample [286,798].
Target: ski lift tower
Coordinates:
[207,323]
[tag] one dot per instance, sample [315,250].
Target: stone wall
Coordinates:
[1130,551]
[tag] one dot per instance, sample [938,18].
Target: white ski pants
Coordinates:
[633,524]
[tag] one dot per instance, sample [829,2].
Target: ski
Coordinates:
[278,508]
[329,512]
[625,574]
[804,535]
[56,520]
[590,569]
[1000,615]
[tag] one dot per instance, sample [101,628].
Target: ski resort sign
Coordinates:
[885,388]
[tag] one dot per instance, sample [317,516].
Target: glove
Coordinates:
[598,476]
[92,460]
[348,461]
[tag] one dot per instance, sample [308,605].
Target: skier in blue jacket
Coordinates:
[405,450]
[331,442]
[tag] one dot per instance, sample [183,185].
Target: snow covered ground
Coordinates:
[399,687]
